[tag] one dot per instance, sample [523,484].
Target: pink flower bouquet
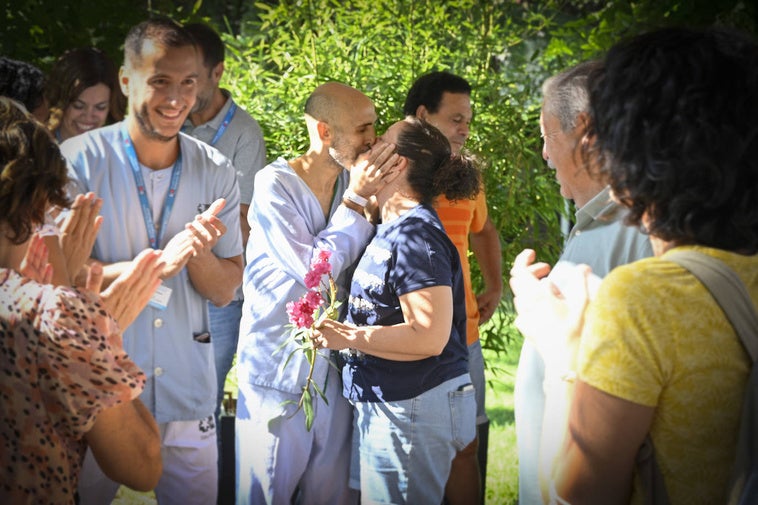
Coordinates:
[305,314]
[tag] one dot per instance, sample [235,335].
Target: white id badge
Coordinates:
[160,297]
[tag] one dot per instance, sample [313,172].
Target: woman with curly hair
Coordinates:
[83,93]
[407,360]
[67,382]
[674,121]
[24,83]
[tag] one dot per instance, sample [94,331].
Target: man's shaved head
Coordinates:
[342,118]
[330,101]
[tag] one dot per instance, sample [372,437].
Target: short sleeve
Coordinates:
[480,213]
[422,259]
[83,368]
[619,352]
[249,158]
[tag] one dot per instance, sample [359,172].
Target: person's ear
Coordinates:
[583,127]
[397,169]
[402,164]
[324,132]
[422,112]
[217,72]
[123,81]
[583,122]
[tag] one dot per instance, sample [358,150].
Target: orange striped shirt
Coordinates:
[459,219]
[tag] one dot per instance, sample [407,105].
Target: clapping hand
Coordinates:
[198,237]
[129,293]
[35,265]
[79,231]
[550,318]
[207,228]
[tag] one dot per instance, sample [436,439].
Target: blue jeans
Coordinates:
[476,370]
[225,331]
[405,448]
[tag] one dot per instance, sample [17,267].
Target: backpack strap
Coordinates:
[733,298]
[728,291]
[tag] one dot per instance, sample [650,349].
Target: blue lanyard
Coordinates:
[147,213]
[225,123]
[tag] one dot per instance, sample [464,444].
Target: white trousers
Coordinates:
[190,472]
[277,458]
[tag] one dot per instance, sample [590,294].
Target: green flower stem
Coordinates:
[309,380]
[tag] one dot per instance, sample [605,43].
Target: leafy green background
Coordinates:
[278,51]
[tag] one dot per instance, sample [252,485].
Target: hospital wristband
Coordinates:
[352,196]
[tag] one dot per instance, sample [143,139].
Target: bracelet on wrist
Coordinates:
[354,197]
[353,206]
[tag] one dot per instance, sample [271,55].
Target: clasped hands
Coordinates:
[197,239]
[550,306]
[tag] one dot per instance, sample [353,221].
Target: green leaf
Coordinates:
[320,393]
[308,408]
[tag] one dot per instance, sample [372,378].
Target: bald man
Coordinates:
[300,206]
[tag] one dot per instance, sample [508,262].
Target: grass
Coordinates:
[502,461]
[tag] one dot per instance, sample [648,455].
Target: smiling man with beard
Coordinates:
[154,181]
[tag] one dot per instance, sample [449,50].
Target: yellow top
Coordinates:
[656,337]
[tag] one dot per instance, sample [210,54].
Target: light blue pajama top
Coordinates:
[288,228]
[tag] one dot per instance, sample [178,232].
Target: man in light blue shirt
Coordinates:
[165,190]
[218,121]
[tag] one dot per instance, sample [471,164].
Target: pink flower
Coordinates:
[320,266]
[314,299]
[324,255]
[300,313]
[312,279]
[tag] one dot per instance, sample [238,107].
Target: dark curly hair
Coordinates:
[77,70]
[432,170]
[674,112]
[22,81]
[32,172]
